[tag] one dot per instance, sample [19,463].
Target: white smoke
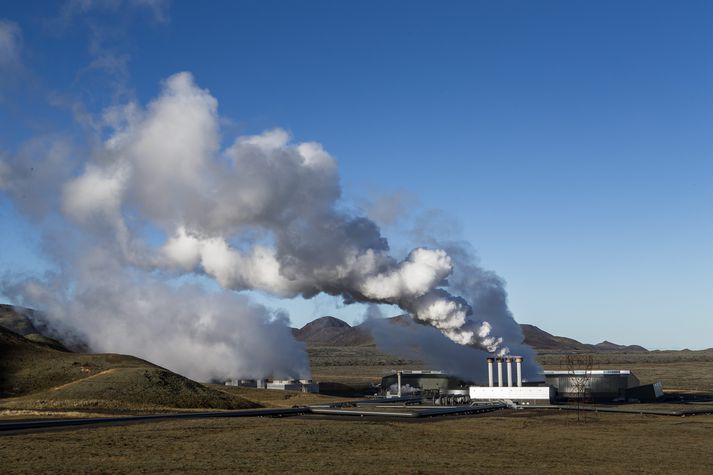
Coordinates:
[203,335]
[261,214]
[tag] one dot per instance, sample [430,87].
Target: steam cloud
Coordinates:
[260,214]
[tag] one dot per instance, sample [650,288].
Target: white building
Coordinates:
[522,395]
[513,390]
[303,385]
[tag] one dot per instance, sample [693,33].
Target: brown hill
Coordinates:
[331,331]
[17,319]
[543,341]
[34,374]
[21,321]
[609,346]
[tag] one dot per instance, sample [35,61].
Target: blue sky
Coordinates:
[570,142]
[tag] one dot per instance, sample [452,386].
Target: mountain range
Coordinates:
[331,331]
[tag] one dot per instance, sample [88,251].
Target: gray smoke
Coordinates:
[262,214]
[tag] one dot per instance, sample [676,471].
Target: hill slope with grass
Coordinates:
[34,374]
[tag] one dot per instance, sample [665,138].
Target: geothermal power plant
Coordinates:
[425,392]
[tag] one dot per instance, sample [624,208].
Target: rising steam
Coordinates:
[160,197]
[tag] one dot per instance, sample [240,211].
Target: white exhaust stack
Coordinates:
[508,361]
[398,381]
[500,372]
[518,362]
[490,372]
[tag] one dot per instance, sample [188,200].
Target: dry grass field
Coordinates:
[677,370]
[529,441]
[505,442]
[276,398]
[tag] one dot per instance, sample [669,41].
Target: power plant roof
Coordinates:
[584,372]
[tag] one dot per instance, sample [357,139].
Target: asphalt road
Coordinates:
[414,412]
[23,426]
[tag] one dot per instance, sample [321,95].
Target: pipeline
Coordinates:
[621,410]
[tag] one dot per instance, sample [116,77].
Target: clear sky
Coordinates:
[570,142]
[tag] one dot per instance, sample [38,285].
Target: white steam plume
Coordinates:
[262,214]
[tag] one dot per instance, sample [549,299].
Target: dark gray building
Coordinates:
[594,385]
[414,382]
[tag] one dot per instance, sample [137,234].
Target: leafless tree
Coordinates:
[579,370]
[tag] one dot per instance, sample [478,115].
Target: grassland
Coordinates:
[677,370]
[277,398]
[528,441]
[37,377]
[507,442]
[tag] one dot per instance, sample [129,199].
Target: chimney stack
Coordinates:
[490,372]
[508,361]
[518,362]
[500,372]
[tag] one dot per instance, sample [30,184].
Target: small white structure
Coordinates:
[304,385]
[523,395]
[284,385]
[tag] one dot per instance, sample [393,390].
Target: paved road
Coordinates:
[414,412]
[7,427]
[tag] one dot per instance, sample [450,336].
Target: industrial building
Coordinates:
[607,385]
[508,389]
[418,382]
[610,385]
[303,385]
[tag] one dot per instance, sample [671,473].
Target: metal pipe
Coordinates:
[518,362]
[490,372]
[508,361]
[398,381]
[500,372]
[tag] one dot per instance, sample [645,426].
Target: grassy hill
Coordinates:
[34,374]
[20,320]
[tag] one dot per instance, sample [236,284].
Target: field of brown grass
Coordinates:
[529,441]
[677,370]
[277,398]
[505,442]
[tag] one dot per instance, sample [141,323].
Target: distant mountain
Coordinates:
[543,341]
[609,346]
[324,331]
[331,331]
